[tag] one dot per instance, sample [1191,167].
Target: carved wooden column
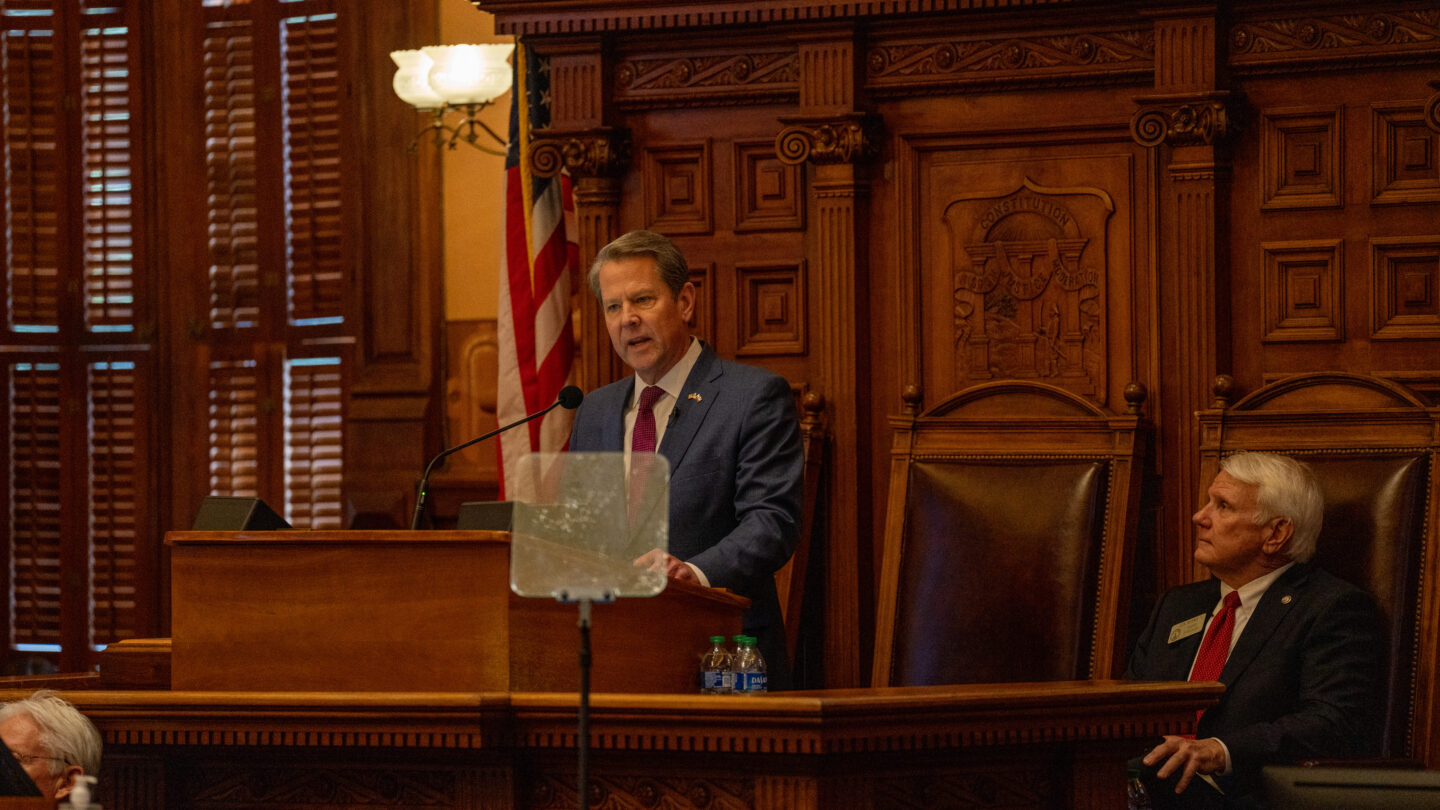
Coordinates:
[1187,116]
[836,139]
[595,155]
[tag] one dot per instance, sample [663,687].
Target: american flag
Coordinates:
[537,345]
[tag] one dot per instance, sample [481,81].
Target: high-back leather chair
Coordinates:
[1374,447]
[1012,509]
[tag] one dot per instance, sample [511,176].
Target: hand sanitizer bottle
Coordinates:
[80,792]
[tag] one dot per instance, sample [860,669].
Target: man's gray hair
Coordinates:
[671,263]
[1284,488]
[65,733]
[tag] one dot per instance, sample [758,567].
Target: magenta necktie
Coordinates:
[1216,646]
[642,443]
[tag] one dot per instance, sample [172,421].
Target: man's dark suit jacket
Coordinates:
[736,477]
[1303,681]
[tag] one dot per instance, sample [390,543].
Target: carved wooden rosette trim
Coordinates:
[848,139]
[590,153]
[906,67]
[1337,35]
[698,80]
[1201,123]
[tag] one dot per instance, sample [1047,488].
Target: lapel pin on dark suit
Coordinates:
[1286,599]
[695,397]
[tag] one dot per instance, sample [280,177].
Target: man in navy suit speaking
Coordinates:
[728,430]
[1298,650]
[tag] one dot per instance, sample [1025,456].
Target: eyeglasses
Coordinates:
[26,759]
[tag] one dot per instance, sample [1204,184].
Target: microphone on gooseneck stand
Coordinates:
[569,399]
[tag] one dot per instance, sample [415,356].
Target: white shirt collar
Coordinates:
[673,383]
[1252,591]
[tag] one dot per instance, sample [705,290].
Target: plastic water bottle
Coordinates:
[750,678]
[715,675]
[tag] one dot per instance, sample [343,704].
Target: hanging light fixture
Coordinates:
[443,79]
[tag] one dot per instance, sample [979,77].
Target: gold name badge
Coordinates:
[1187,628]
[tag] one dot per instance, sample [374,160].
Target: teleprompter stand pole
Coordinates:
[582,739]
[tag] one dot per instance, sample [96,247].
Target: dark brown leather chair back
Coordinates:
[1006,557]
[1372,537]
[1374,447]
[999,582]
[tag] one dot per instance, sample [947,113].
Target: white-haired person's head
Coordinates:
[53,741]
[1284,488]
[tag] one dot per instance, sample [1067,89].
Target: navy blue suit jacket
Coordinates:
[736,477]
[1303,681]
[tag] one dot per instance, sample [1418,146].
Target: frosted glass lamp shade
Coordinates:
[412,80]
[469,74]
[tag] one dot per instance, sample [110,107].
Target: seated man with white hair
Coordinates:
[1298,649]
[52,740]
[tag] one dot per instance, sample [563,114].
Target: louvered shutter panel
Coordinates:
[312,150]
[276,282]
[231,173]
[314,434]
[234,428]
[34,450]
[109,243]
[33,166]
[115,445]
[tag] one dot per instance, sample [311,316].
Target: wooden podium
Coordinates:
[401,611]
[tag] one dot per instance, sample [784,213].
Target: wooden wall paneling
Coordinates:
[182,309]
[1386,177]
[1364,78]
[1406,287]
[1028,296]
[677,190]
[770,305]
[1405,159]
[1301,160]
[837,139]
[1029,257]
[769,194]
[393,212]
[1304,298]
[1187,115]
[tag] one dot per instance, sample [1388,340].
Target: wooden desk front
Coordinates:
[1042,746]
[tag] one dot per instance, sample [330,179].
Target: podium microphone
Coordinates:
[569,399]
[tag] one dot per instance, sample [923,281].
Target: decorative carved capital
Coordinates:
[1195,123]
[603,152]
[1432,108]
[845,139]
